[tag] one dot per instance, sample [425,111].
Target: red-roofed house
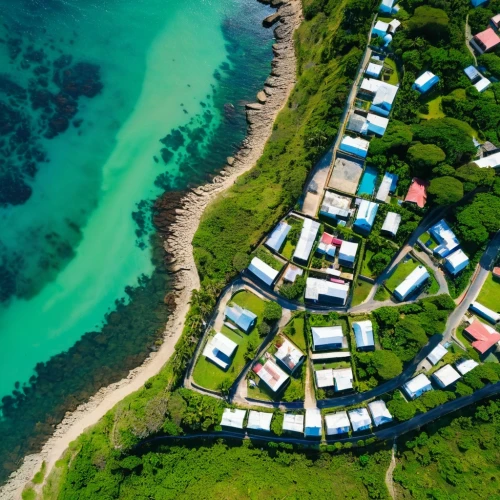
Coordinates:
[496,273]
[483,337]
[418,192]
[485,41]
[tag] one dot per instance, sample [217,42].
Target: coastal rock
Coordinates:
[230,160]
[255,106]
[261,97]
[271,20]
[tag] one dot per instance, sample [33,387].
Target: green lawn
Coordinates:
[294,330]
[434,286]
[365,270]
[361,291]
[335,365]
[490,294]
[400,273]
[288,249]
[435,110]
[394,78]
[381,294]
[428,237]
[206,373]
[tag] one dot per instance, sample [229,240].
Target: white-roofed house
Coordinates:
[278,236]
[264,272]
[232,417]
[335,206]
[394,25]
[491,161]
[365,216]
[374,70]
[347,253]
[456,261]
[360,419]
[293,423]
[417,386]
[438,353]
[387,6]
[271,374]
[292,272]
[313,423]
[466,365]
[343,379]
[446,238]
[381,93]
[482,84]
[363,332]
[391,224]
[355,146]
[327,337]
[243,318]
[288,355]
[425,82]
[446,376]
[380,413]
[325,291]
[305,244]
[324,378]
[367,125]
[412,282]
[219,349]
[492,316]
[380,29]
[259,421]
[386,186]
[337,423]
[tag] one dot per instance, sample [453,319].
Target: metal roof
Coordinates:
[263,271]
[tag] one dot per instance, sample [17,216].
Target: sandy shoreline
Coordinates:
[260,118]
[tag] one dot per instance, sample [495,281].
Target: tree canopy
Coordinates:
[445,190]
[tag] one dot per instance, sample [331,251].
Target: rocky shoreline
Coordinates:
[177,216]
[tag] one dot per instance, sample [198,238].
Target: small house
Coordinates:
[485,41]
[417,386]
[243,318]
[365,216]
[381,93]
[271,374]
[425,82]
[313,423]
[380,29]
[363,332]
[482,84]
[327,337]
[446,376]
[391,224]
[491,161]
[324,378]
[483,337]
[495,22]
[447,241]
[355,146]
[306,241]
[438,353]
[337,423]
[292,272]
[412,282]
[360,419]
[380,413]
[278,236]
[472,74]
[489,315]
[343,379]
[466,365]
[387,186]
[374,70]
[233,418]
[417,193]
[259,421]
[288,355]
[264,272]
[326,291]
[456,262]
[328,245]
[220,349]
[293,423]
[387,6]
[347,253]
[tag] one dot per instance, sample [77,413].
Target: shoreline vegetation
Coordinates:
[177,216]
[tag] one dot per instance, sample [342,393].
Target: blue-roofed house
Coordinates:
[374,70]
[456,261]
[425,82]
[277,237]
[242,318]
[355,146]
[380,29]
[387,6]
[472,74]
[477,3]
[366,216]
[446,238]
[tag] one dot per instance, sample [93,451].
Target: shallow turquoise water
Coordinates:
[367,184]
[68,253]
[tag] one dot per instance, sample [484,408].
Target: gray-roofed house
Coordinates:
[391,224]
[363,332]
[278,236]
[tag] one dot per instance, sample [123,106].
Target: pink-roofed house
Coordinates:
[485,41]
[417,193]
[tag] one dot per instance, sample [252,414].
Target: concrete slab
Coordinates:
[346,174]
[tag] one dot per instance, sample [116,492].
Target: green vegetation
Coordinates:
[211,376]
[373,368]
[445,190]
[392,70]
[490,293]
[295,290]
[433,109]
[361,292]
[295,330]
[382,294]
[267,257]
[378,255]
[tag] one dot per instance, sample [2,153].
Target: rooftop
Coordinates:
[386,186]
[317,289]
[337,423]
[363,331]
[263,271]
[292,272]
[288,354]
[488,38]
[437,354]
[271,374]
[360,419]
[293,423]
[233,418]
[446,376]
[259,420]
[242,318]
[417,192]
[466,366]
[491,316]
[412,282]
[313,422]
[445,237]
[485,337]
[327,335]
[418,385]
[277,237]
[492,161]
[219,349]
[324,378]
[391,223]
[308,234]
[380,413]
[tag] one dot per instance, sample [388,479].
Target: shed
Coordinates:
[326,291]
[412,282]
[355,146]
[457,261]
[483,337]
[491,316]
[425,82]
[278,236]
[386,186]
[485,41]
[437,354]
[391,223]
[387,6]
[482,84]
[242,318]
[292,272]
[417,386]
[293,423]
[219,350]
[365,216]
[380,29]
[374,70]
[324,378]
[264,272]
[347,253]
[360,419]
[446,376]
[306,241]
[327,337]
[271,374]
[337,423]
[492,161]
[289,355]
[259,420]
[417,193]
[380,413]
[313,423]
[233,418]
[445,237]
[466,365]
[363,332]
[472,74]
[394,25]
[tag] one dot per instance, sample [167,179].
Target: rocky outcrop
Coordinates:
[270,20]
[262,97]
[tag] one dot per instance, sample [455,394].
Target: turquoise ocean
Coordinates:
[105,105]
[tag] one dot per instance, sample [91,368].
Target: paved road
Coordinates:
[390,432]
[485,265]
